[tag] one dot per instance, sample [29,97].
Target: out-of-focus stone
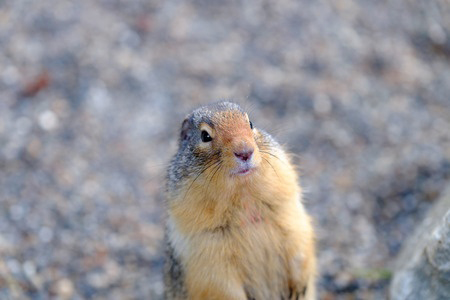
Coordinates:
[109,274]
[48,120]
[64,288]
[423,267]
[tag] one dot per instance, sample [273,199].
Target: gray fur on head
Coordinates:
[204,114]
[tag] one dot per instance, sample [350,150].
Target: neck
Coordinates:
[208,205]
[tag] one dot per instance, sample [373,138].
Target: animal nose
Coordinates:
[244,155]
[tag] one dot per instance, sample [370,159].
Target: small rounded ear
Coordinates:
[185,133]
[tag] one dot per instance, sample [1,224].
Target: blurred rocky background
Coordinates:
[92,94]
[422,269]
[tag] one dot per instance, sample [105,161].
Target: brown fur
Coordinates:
[243,235]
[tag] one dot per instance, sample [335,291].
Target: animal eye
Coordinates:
[206,137]
[251,125]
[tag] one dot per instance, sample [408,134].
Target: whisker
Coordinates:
[217,161]
[216,165]
[187,192]
[209,165]
[270,165]
[271,154]
[212,177]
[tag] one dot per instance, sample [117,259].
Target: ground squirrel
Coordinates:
[236,226]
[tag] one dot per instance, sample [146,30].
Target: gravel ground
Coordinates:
[92,94]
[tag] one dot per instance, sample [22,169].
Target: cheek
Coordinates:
[205,148]
[206,154]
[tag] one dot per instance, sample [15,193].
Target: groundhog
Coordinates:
[236,226]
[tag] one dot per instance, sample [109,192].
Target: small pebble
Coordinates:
[64,288]
[48,120]
[46,234]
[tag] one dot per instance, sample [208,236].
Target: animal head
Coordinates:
[220,138]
